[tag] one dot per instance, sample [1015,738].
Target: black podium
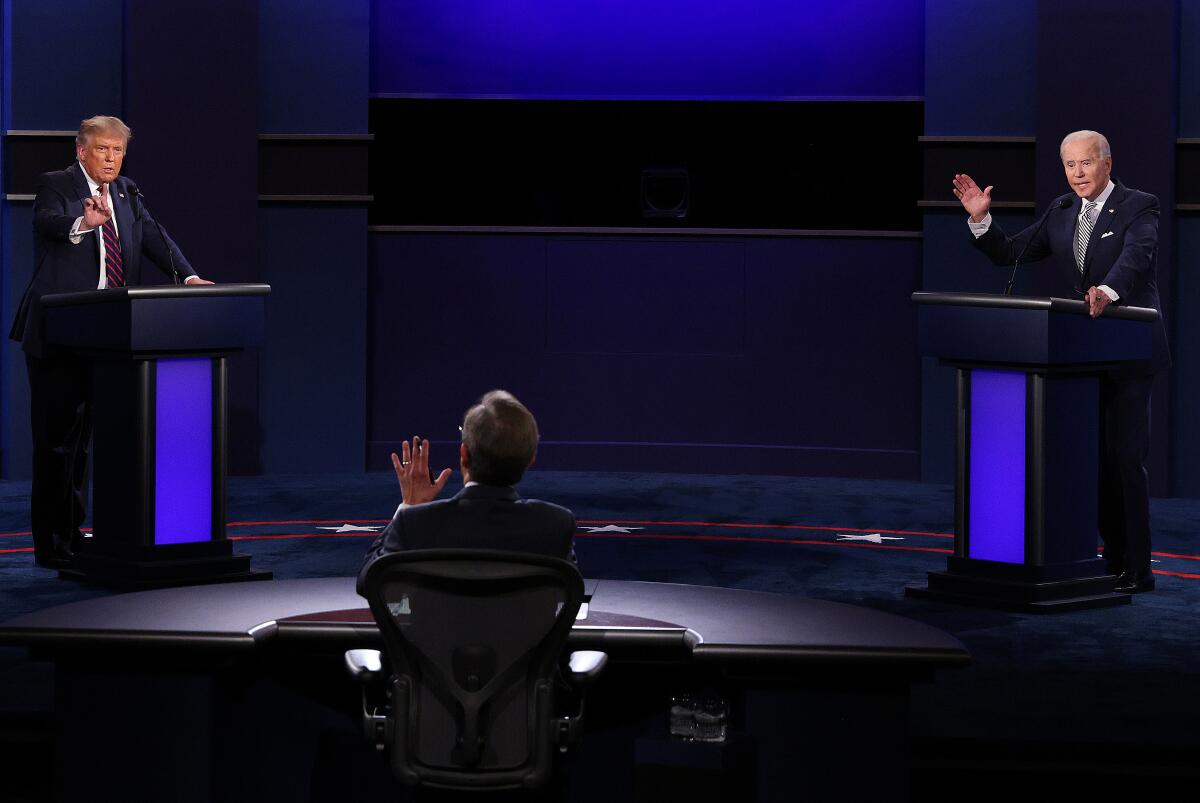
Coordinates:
[1027,426]
[159,423]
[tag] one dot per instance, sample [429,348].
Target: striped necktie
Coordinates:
[1082,232]
[113,266]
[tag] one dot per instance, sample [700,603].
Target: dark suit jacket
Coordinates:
[478,517]
[1125,259]
[63,267]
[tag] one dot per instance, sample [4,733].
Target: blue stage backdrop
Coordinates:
[632,49]
[789,355]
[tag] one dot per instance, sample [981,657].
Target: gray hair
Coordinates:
[102,124]
[501,437]
[1101,142]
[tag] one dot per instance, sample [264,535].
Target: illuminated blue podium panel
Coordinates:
[1027,429]
[159,421]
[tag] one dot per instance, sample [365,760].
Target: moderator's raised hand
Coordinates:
[412,472]
[977,202]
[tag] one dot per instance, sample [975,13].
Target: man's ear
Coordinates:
[532,460]
[464,457]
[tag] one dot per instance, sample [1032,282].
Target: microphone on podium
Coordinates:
[1063,203]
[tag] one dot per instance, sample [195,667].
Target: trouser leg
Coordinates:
[60,417]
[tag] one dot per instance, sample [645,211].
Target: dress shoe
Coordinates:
[1129,583]
[60,557]
[55,561]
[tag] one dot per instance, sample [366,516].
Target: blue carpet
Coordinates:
[1114,678]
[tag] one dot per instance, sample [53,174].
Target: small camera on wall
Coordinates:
[666,192]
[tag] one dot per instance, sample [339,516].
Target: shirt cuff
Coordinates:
[1108,291]
[979,229]
[77,231]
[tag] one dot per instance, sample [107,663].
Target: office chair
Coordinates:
[473,666]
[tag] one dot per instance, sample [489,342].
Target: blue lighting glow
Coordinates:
[996,521]
[183,451]
[649,49]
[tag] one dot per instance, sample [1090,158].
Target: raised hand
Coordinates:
[977,202]
[412,471]
[97,211]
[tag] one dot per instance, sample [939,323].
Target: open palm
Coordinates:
[977,202]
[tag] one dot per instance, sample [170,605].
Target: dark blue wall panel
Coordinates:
[1189,68]
[980,60]
[314,80]
[1187,289]
[51,42]
[314,65]
[18,249]
[690,297]
[679,49]
[794,355]
[313,403]
[1187,361]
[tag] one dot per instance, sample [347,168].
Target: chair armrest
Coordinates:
[586,665]
[364,665]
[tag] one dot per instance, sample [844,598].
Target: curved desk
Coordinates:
[675,622]
[808,682]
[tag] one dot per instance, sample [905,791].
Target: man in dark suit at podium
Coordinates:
[91,231]
[1104,238]
[499,441]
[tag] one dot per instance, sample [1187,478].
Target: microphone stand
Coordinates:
[1012,277]
[133,190]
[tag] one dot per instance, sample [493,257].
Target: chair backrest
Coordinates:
[474,639]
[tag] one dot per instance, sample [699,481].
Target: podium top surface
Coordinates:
[119,294]
[1048,304]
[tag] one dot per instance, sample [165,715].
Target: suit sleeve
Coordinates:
[51,220]
[158,245]
[1004,250]
[1138,249]
[389,541]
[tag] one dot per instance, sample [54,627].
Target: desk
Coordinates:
[250,672]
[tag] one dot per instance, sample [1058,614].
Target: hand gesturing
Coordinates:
[97,211]
[977,202]
[412,471]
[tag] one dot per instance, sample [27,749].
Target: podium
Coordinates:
[1027,429]
[158,356]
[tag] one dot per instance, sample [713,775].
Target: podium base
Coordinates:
[162,570]
[1022,596]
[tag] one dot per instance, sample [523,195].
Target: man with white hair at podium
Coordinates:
[1103,237]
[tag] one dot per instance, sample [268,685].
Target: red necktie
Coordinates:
[112,255]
